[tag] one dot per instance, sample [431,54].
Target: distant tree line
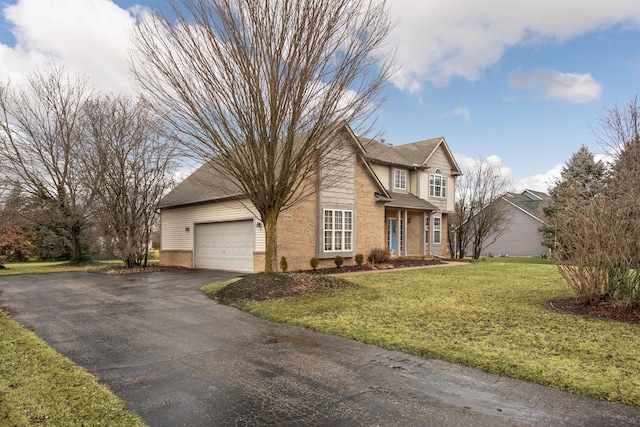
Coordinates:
[80,172]
[593,214]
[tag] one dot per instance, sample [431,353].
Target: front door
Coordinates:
[393,235]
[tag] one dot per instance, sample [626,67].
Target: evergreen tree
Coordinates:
[582,178]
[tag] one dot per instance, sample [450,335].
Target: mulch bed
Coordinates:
[266,286]
[136,270]
[604,310]
[393,263]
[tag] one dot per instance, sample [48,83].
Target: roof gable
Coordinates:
[210,183]
[529,201]
[410,155]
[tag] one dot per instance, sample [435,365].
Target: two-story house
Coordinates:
[379,196]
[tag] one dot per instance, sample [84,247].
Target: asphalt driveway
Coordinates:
[181,359]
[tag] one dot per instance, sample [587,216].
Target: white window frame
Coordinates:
[400,179]
[337,230]
[437,184]
[437,230]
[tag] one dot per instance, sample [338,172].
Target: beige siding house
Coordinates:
[377,195]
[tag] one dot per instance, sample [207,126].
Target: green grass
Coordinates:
[38,386]
[211,289]
[492,314]
[15,268]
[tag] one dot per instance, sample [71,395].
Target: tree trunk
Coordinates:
[270,220]
[477,248]
[131,260]
[76,243]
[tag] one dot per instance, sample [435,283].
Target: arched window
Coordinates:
[437,184]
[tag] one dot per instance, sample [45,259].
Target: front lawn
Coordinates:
[38,386]
[492,314]
[15,268]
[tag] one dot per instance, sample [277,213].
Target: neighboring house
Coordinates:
[380,195]
[522,236]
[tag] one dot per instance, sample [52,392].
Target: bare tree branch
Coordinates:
[261,86]
[130,163]
[479,217]
[41,138]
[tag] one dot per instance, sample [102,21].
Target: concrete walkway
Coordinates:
[181,359]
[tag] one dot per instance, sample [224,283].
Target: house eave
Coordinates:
[201,201]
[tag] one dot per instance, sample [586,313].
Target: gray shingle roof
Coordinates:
[209,183]
[419,152]
[382,152]
[409,201]
[206,184]
[408,155]
[529,201]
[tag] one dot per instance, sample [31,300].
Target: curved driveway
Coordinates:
[181,359]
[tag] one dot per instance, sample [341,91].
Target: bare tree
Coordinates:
[480,217]
[260,86]
[595,216]
[459,237]
[130,161]
[619,134]
[41,138]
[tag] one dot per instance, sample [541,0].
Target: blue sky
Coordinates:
[521,82]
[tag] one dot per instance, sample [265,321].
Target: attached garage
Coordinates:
[225,245]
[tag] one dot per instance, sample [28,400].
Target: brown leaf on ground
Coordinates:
[266,286]
[611,310]
[136,270]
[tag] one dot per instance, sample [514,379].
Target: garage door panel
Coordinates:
[225,245]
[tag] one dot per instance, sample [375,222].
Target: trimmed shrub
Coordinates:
[314,263]
[359,258]
[339,261]
[379,255]
[284,266]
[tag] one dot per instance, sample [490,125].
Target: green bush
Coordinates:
[314,263]
[284,266]
[359,258]
[379,256]
[339,261]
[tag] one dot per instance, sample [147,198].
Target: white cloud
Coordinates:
[577,88]
[437,40]
[460,112]
[539,182]
[441,39]
[86,36]
[466,162]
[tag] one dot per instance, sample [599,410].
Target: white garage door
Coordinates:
[225,246]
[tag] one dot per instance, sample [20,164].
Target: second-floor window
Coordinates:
[437,184]
[400,179]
